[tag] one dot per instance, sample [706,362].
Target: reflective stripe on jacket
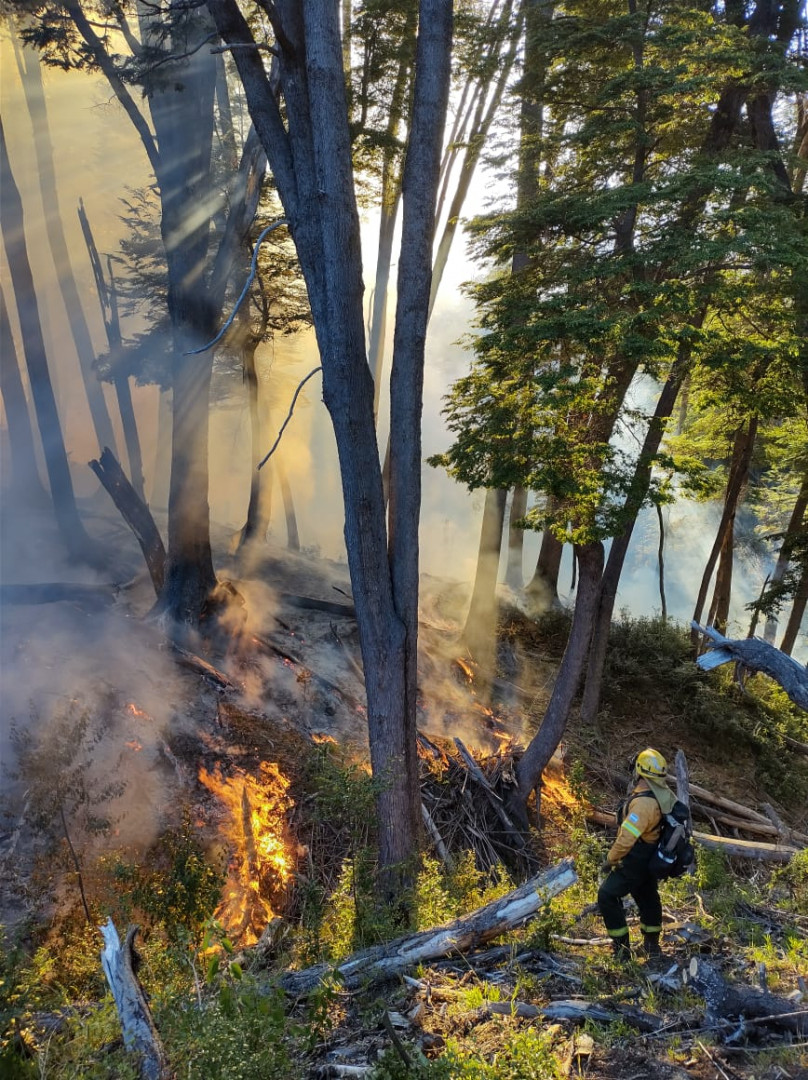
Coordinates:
[642,821]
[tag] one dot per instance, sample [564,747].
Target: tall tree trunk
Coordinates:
[161,473]
[516,539]
[722,594]
[743,445]
[796,615]
[795,524]
[108,299]
[292,535]
[618,550]
[543,586]
[543,745]
[259,508]
[182,112]
[24,478]
[309,150]
[50,429]
[390,201]
[31,77]
[480,631]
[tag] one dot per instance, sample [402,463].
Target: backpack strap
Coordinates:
[622,808]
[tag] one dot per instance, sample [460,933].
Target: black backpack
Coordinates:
[674,853]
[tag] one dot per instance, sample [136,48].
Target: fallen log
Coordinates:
[135,513]
[726,1000]
[140,1036]
[202,667]
[311,603]
[576,1009]
[757,655]
[482,925]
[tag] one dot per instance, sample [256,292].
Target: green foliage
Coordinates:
[793,878]
[526,1055]
[178,889]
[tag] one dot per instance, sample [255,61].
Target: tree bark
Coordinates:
[743,445]
[543,586]
[543,745]
[796,614]
[516,539]
[292,535]
[31,77]
[140,1036]
[796,523]
[108,299]
[50,429]
[309,149]
[135,513]
[480,631]
[24,473]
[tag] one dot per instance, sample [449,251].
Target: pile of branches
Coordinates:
[464,806]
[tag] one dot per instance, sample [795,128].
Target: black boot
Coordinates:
[650,946]
[622,948]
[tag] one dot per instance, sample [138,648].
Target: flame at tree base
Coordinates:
[260,867]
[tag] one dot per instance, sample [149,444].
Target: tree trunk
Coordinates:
[259,507]
[310,154]
[292,536]
[108,299]
[743,446]
[796,614]
[543,745]
[758,655]
[516,540]
[590,701]
[543,586]
[795,525]
[480,631]
[25,483]
[135,513]
[31,77]
[50,429]
[719,606]
[182,112]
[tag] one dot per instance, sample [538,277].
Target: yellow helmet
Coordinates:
[651,764]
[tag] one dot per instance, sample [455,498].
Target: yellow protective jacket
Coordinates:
[642,821]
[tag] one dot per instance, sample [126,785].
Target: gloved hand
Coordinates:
[606,867]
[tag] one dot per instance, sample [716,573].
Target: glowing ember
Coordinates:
[133,744]
[322,737]
[260,867]
[133,710]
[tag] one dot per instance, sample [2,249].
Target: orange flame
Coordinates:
[260,866]
[133,744]
[133,710]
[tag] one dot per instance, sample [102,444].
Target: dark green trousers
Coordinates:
[631,877]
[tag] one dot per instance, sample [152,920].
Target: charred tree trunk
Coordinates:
[50,429]
[23,471]
[543,745]
[135,513]
[719,607]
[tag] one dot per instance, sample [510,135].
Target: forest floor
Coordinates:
[283,744]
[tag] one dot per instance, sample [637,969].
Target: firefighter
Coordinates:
[626,865]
